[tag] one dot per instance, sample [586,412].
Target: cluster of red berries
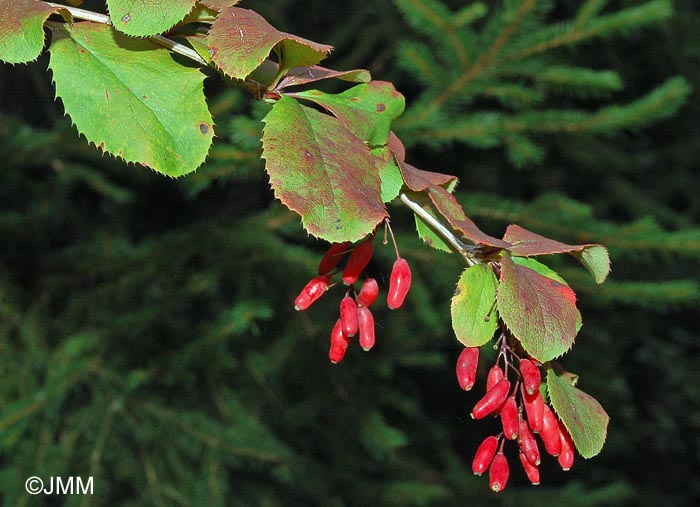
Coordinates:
[523,415]
[355,315]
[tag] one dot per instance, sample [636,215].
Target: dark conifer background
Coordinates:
[147,331]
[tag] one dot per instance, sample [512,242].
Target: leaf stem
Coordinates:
[440,229]
[96,17]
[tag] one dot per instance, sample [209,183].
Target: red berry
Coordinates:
[366,324]
[528,444]
[368,293]
[495,374]
[358,260]
[510,418]
[399,283]
[316,288]
[492,400]
[531,376]
[566,457]
[339,343]
[499,472]
[550,434]
[348,316]
[332,257]
[484,455]
[533,473]
[467,362]
[534,408]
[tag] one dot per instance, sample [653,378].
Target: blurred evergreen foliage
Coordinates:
[147,335]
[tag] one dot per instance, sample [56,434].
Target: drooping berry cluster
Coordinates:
[522,411]
[355,315]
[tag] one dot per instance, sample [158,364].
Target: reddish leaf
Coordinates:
[22,29]
[319,169]
[449,208]
[526,244]
[539,311]
[241,39]
[417,179]
[304,75]
[219,5]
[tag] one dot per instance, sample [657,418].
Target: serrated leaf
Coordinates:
[138,103]
[322,171]
[582,415]
[22,29]
[142,19]
[474,318]
[539,311]
[240,39]
[366,109]
[388,173]
[304,75]
[527,244]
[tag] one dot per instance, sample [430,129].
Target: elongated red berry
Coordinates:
[510,418]
[332,257]
[339,343]
[366,324]
[531,376]
[528,444]
[368,293]
[358,260]
[467,363]
[492,400]
[348,316]
[484,455]
[534,408]
[316,288]
[399,283]
[550,432]
[533,473]
[566,457]
[499,472]
[495,374]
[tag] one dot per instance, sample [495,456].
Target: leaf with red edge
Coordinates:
[539,311]
[417,179]
[527,244]
[582,415]
[366,109]
[304,75]
[142,19]
[322,171]
[22,29]
[219,5]
[449,208]
[241,39]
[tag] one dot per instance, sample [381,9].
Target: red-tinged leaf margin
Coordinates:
[539,311]
[22,28]
[417,179]
[582,415]
[219,5]
[241,39]
[323,172]
[304,75]
[528,244]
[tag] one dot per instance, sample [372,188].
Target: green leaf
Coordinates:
[539,311]
[388,172]
[130,98]
[142,19]
[474,318]
[240,39]
[22,29]
[322,171]
[582,415]
[526,244]
[366,109]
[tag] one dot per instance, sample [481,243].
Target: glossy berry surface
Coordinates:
[366,328]
[484,455]
[499,472]
[311,292]
[467,363]
[399,284]
[332,257]
[357,262]
[368,293]
[492,400]
[348,316]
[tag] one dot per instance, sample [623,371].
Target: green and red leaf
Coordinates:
[241,39]
[366,109]
[142,19]
[417,179]
[141,105]
[304,75]
[474,318]
[528,244]
[22,29]
[388,172]
[322,171]
[540,311]
[219,5]
[582,415]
